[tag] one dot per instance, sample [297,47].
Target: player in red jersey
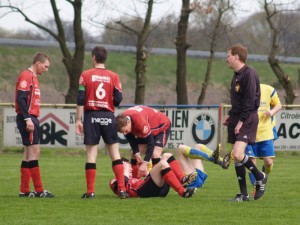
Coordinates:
[27,106]
[147,131]
[99,92]
[166,173]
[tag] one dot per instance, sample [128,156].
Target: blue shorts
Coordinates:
[200,179]
[261,149]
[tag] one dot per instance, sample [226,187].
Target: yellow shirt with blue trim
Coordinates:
[268,99]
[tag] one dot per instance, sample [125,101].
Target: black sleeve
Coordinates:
[118,97]
[22,102]
[81,97]
[150,147]
[133,144]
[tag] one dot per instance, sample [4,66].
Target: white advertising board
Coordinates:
[189,126]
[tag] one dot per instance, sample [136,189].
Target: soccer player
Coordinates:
[27,107]
[266,132]
[242,120]
[147,130]
[184,175]
[99,92]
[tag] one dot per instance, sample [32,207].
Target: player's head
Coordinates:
[238,51]
[99,54]
[113,184]
[40,63]
[123,124]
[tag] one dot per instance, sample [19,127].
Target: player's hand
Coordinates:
[238,127]
[79,128]
[29,125]
[138,158]
[226,120]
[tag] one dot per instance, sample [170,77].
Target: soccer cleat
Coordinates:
[27,194]
[225,163]
[44,194]
[88,195]
[188,179]
[188,192]
[260,187]
[216,154]
[240,198]
[123,194]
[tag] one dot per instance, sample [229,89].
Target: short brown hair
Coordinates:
[100,54]
[40,57]
[239,50]
[121,121]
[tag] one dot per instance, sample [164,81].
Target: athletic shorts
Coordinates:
[248,130]
[261,149]
[29,138]
[97,124]
[160,140]
[150,189]
[200,179]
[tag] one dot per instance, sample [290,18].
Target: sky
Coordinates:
[40,10]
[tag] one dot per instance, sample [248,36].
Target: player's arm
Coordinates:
[118,97]
[150,147]
[132,142]
[79,110]
[22,103]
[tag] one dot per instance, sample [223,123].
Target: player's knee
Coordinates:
[166,156]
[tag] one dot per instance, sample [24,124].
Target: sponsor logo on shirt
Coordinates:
[23,84]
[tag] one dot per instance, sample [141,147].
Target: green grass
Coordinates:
[161,70]
[63,174]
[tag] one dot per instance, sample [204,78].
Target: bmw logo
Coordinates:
[203,128]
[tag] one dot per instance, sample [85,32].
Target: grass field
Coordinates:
[63,174]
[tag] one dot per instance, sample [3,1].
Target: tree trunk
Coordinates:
[282,77]
[181,48]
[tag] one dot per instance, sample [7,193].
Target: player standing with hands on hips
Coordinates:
[27,106]
[99,92]
[242,120]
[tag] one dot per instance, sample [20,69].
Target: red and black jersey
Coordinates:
[146,120]
[132,186]
[28,84]
[99,85]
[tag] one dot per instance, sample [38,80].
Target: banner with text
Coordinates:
[189,126]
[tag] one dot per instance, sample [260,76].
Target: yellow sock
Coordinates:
[149,166]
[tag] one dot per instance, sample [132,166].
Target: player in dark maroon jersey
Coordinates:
[147,131]
[27,106]
[99,92]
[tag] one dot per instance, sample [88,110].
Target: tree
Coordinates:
[141,31]
[73,61]
[284,80]
[218,26]
[181,48]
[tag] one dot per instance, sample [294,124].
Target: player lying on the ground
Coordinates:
[170,172]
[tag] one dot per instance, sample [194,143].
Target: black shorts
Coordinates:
[247,132]
[97,124]
[150,189]
[160,139]
[25,135]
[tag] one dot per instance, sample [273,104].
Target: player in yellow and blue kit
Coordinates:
[191,160]
[266,132]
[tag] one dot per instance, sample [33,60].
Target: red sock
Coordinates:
[176,168]
[36,179]
[90,177]
[118,169]
[171,179]
[134,171]
[25,178]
